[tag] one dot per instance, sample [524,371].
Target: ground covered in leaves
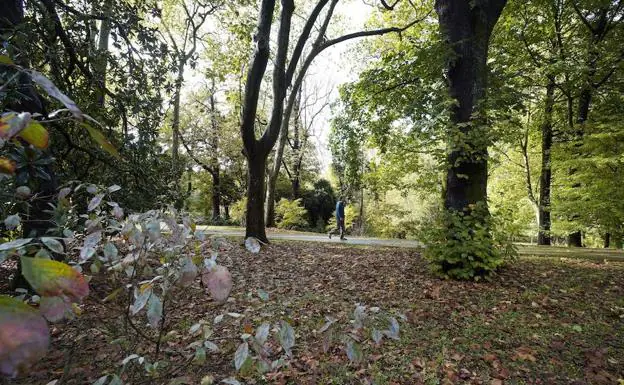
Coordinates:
[540,321]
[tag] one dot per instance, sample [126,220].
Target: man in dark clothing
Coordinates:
[340,220]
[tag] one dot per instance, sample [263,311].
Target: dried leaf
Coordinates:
[7,166]
[218,282]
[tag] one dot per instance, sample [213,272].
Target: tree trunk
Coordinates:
[38,219]
[543,236]
[273,174]
[467,27]
[255,202]
[214,160]
[175,123]
[101,62]
[607,240]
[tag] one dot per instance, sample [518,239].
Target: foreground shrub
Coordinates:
[466,245]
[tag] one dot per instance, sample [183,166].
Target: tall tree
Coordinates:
[257,150]
[467,26]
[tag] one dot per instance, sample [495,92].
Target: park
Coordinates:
[412,192]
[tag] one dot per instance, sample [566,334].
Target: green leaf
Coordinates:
[354,352]
[154,310]
[100,139]
[53,245]
[6,60]
[12,221]
[15,244]
[101,380]
[262,333]
[286,336]
[242,352]
[263,295]
[200,356]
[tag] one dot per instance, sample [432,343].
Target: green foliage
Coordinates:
[290,214]
[466,246]
[319,203]
[238,210]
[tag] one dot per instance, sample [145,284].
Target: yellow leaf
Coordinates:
[36,135]
[7,166]
[52,278]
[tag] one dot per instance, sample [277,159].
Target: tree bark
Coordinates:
[255,194]
[467,27]
[99,68]
[38,219]
[543,236]
[175,121]
[607,240]
[214,160]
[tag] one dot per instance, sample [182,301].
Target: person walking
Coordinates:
[340,220]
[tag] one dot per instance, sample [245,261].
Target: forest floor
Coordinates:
[539,321]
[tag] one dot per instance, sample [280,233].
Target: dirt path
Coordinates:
[523,249]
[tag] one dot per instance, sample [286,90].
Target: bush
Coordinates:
[319,202]
[290,214]
[237,212]
[469,245]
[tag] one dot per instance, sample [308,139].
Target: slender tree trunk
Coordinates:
[255,194]
[607,240]
[175,123]
[543,236]
[101,62]
[214,160]
[226,212]
[273,174]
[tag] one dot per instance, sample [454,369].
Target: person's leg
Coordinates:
[342,228]
[336,230]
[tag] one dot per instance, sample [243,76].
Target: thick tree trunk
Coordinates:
[467,27]
[543,236]
[38,219]
[255,202]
